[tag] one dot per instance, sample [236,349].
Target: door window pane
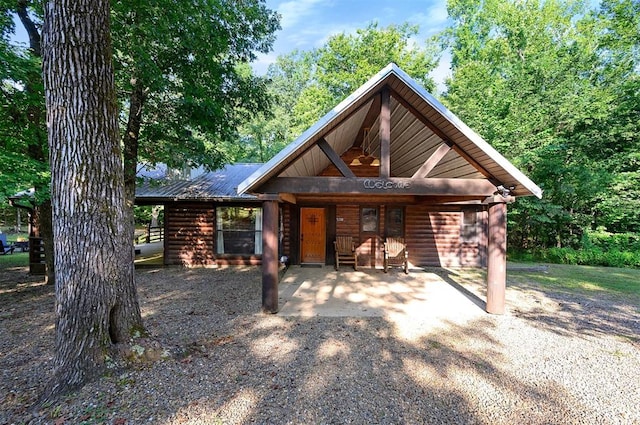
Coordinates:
[369,221]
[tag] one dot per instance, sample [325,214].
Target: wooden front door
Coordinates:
[312,235]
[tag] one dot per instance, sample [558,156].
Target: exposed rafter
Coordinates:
[433,160]
[443,136]
[335,158]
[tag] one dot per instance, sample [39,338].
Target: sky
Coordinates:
[307,24]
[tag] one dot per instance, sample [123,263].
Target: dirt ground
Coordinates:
[553,358]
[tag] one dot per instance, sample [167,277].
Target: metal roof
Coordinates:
[219,185]
[412,140]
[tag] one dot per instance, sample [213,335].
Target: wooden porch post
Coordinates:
[270,256]
[497,258]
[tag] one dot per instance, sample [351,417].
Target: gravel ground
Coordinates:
[553,358]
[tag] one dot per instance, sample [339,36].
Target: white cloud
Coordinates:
[261,64]
[442,71]
[431,22]
[294,11]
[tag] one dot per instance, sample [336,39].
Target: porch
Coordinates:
[433,296]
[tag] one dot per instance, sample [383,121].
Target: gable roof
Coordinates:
[420,124]
[219,185]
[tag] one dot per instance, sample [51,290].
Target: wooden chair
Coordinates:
[346,252]
[396,254]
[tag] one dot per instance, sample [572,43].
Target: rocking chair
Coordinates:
[345,251]
[396,254]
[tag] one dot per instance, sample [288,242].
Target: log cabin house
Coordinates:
[388,161]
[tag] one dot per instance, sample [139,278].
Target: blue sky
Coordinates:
[309,23]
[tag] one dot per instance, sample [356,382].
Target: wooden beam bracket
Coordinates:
[433,160]
[335,158]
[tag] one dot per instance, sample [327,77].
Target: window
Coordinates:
[470,226]
[395,222]
[369,220]
[239,230]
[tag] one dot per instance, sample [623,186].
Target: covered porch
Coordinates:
[389,161]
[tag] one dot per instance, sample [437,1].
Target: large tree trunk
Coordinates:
[96,301]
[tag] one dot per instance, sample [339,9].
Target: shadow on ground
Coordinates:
[232,365]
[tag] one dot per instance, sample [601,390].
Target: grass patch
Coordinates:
[17,259]
[585,279]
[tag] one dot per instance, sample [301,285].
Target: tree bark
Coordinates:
[96,300]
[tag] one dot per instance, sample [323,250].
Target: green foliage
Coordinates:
[607,241]
[143,214]
[23,141]
[306,85]
[595,248]
[190,59]
[592,257]
[554,86]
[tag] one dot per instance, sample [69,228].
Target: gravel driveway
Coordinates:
[553,358]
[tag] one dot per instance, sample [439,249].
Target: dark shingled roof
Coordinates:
[219,185]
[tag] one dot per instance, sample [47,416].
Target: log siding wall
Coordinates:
[190,234]
[434,237]
[190,237]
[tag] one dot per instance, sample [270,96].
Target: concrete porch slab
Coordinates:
[422,296]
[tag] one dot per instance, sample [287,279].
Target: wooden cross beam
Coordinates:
[370,186]
[335,158]
[433,160]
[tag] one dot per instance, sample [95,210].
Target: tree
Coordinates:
[184,80]
[22,125]
[96,301]
[267,133]
[308,84]
[184,84]
[535,79]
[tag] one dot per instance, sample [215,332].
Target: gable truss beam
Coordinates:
[479,188]
[310,145]
[443,136]
[335,158]
[433,160]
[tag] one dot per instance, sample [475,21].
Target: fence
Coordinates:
[153,234]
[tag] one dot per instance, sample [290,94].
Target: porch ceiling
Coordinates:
[420,127]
